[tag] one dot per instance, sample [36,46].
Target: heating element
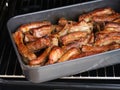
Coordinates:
[9,65]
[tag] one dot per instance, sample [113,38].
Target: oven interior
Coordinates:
[10,71]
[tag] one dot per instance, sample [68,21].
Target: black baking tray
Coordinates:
[54,71]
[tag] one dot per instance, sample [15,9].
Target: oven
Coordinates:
[11,75]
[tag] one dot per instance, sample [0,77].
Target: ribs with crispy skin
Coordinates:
[98,12]
[106,18]
[55,54]
[41,59]
[64,31]
[26,27]
[89,39]
[81,26]
[112,26]
[68,54]
[110,34]
[107,41]
[42,31]
[102,35]
[117,20]
[24,51]
[71,45]
[39,44]
[87,48]
[69,38]
[91,50]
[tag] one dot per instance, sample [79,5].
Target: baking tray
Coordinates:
[54,71]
